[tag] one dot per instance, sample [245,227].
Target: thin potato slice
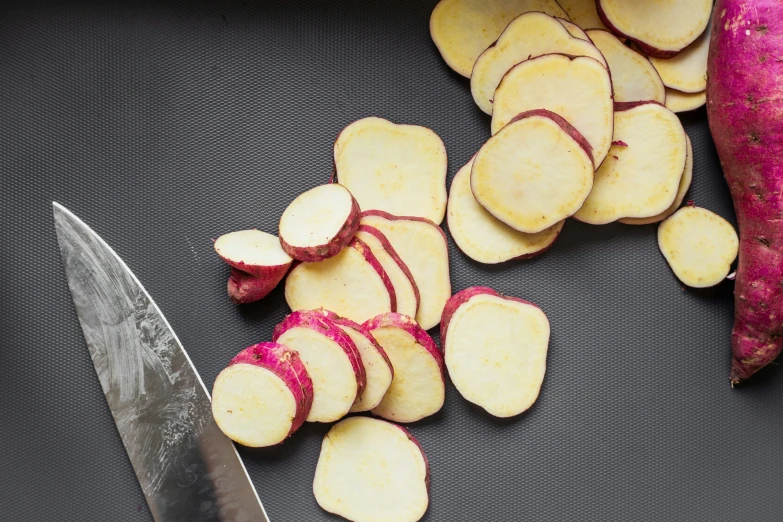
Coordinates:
[463,29]
[642,173]
[677,101]
[484,238]
[583,13]
[528,36]
[534,173]
[699,246]
[578,89]
[686,72]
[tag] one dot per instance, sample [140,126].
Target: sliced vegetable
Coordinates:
[677,101]
[254,252]
[686,72]
[583,13]
[574,30]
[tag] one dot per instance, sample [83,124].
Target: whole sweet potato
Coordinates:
[745,109]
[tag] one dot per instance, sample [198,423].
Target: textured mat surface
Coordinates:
[163,125]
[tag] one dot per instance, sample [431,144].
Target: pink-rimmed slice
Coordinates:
[263,396]
[686,72]
[254,252]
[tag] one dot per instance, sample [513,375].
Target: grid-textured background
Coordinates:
[164,125]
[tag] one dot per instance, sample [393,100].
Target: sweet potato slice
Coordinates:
[534,173]
[332,361]
[633,76]
[405,288]
[371,470]
[642,173]
[677,101]
[662,28]
[484,238]
[352,284]
[686,72]
[578,89]
[574,30]
[699,246]
[583,13]
[422,246]
[399,169]
[528,36]
[463,29]
[319,223]
[418,388]
[254,252]
[682,190]
[495,349]
[263,396]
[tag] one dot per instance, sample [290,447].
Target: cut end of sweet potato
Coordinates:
[699,245]
[244,288]
[678,102]
[370,470]
[686,72]
[399,169]
[254,252]
[319,223]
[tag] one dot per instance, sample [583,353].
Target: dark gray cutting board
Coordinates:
[164,125]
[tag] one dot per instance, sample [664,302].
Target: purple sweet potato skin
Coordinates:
[745,110]
[244,288]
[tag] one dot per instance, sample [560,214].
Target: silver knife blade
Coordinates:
[188,469]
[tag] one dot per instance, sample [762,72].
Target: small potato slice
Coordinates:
[699,246]
[463,29]
[352,284]
[662,28]
[633,76]
[528,36]
[677,101]
[371,470]
[484,238]
[685,185]
[578,89]
[399,169]
[583,13]
[254,252]
[495,349]
[534,173]
[418,388]
[686,72]
[641,175]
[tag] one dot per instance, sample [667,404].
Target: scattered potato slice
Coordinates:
[483,237]
[633,76]
[422,246]
[462,29]
[495,349]
[319,223]
[685,184]
[574,30]
[578,89]
[642,173]
[528,36]
[583,13]
[418,388]
[534,173]
[662,28]
[699,246]
[371,470]
[263,396]
[399,169]
[332,361]
[677,101]
[405,288]
[254,252]
[352,284]
[686,72]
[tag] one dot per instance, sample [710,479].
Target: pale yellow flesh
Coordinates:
[400,169]
[666,25]
[370,471]
[531,175]
[583,13]
[423,248]
[316,216]
[252,247]
[686,72]
[346,284]
[406,296]
[480,235]
[462,29]
[330,369]
[633,76]
[528,36]
[417,389]
[677,101]
[379,375]
[682,190]
[496,353]
[641,179]
[574,30]
[579,90]
[252,405]
[699,246]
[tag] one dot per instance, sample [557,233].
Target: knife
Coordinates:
[187,468]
